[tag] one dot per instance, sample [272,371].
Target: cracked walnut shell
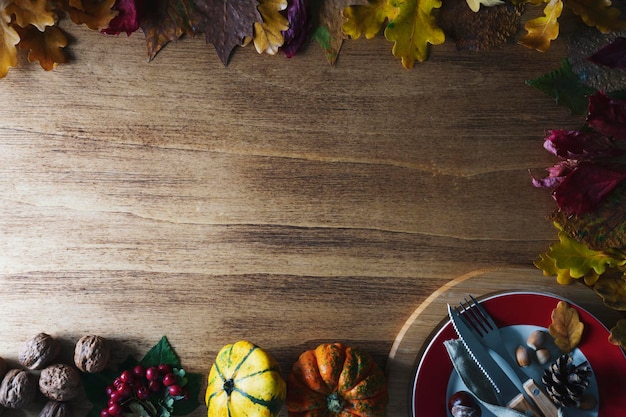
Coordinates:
[91,353]
[18,388]
[59,382]
[39,351]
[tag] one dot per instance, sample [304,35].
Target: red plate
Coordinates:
[607,361]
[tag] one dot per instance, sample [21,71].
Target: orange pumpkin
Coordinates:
[336,381]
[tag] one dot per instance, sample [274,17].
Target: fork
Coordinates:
[483,326]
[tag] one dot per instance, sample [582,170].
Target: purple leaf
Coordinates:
[127,19]
[299,25]
[574,144]
[585,187]
[612,55]
[607,115]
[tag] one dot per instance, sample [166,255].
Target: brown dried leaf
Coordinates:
[8,41]
[618,334]
[32,12]
[166,21]
[96,14]
[566,327]
[612,289]
[45,47]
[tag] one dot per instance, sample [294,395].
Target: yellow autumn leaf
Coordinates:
[367,19]
[413,29]
[543,29]
[566,327]
[8,41]
[268,35]
[598,13]
[32,12]
[474,5]
[618,334]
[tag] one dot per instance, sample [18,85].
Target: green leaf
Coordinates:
[160,353]
[194,384]
[564,87]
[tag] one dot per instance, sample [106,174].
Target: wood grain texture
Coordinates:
[278,200]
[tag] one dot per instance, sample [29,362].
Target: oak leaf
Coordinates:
[45,47]
[268,36]
[543,29]
[474,5]
[598,13]
[165,21]
[32,12]
[618,334]
[367,20]
[612,290]
[95,14]
[226,23]
[8,41]
[566,327]
[413,29]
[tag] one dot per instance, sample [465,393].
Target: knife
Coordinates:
[510,395]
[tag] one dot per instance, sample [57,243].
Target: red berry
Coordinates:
[143,392]
[115,409]
[155,386]
[105,412]
[139,371]
[116,397]
[169,379]
[127,376]
[109,389]
[117,381]
[164,368]
[175,390]
[124,390]
[152,373]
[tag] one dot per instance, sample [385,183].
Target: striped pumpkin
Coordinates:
[336,381]
[244,381]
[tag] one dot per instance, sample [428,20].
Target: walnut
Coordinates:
[91,353]
[39,351]
[56,409]
[59,382]
[18,388]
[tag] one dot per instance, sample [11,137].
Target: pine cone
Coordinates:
[565,382]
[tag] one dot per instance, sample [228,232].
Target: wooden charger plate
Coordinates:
[428,316]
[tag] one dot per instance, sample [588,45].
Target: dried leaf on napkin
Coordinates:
[566,327]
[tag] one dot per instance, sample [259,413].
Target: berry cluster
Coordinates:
[139,385]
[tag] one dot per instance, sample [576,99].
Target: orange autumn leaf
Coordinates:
[96,14]
[32,12]
[543,29]
[8,41]
[566,327]
[618,334]
[45,47]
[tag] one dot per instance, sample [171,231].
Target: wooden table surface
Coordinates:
[277,200]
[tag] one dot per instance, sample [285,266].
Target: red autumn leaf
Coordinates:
[127,19]
[607,115]
[164,21]
[227,23]
[585,187]
[612,55]
[580,145]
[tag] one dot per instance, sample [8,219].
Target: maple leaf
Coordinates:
[95,14]
[618,334]
[8,41]
[268,34]
[45,47]
[543,29]
[612,55]
[566,327]
[165,21]
[367,20]
[227,23]
[127,19]
[32,12]
[413,29]
[598,13]
[299,22]
[474,5]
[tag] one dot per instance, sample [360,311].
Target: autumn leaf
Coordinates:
[165,21]
[227,23]
[127,19]
[32,12]
[268,36]
[612,55]
[612,290]
[8,41]
[413,29]
[543,29]
[368,19]
[45,47]
[95,14]
[299,21]
[566,327]
[618,334]
[598,13]
[474,5]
